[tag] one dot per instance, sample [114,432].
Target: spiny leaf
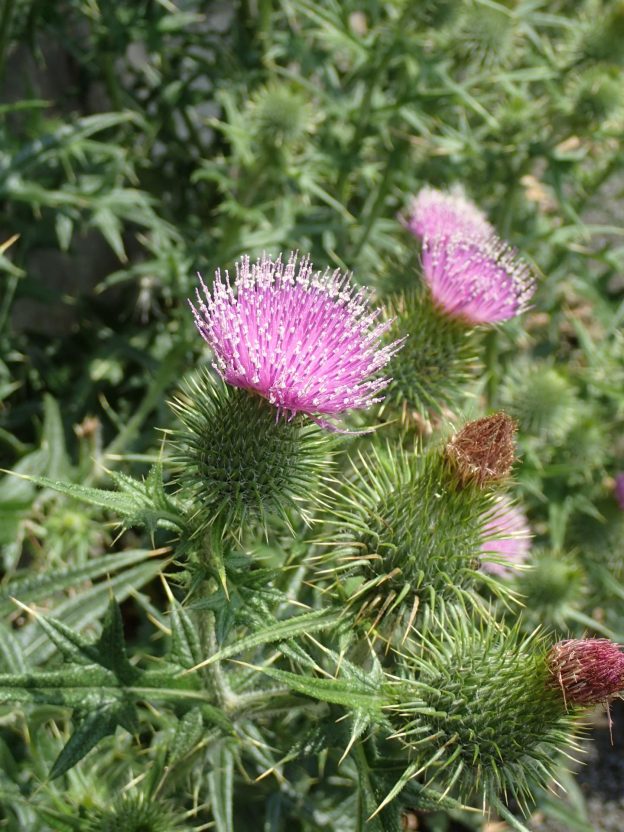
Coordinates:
[185,646]
[28,589]
[111,646]
[277,631]
[220,786]
[93,727]
[337,691]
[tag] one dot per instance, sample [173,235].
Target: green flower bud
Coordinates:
[543,402]
[409,530]
[134,814]
[552,589]
[281,114]
[480,713]
[239,461]
[437,360]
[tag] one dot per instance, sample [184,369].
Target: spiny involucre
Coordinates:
[588,670]
[307,341]
[507,538]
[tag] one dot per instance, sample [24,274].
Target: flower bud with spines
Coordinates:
[478,713]
[134,813]
[542,400]
[238,462]
[410,527]
[438,360]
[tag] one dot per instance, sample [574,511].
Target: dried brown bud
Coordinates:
[484,450]
[587,670]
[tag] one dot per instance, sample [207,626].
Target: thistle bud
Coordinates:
[134,813]
[587,670]
[407,535]
[437,361]
[237,462]
[477,711]
[281,114]
[543,401]
[483,452]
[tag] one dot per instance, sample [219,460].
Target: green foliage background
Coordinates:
[142,142]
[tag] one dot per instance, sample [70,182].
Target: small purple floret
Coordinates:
[438,215]
[307,341]
[480,281]
[507,537]
[619,490]
[587,670]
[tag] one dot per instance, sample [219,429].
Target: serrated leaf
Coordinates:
[92,728]
[132,505]
[220,786]
[188,733]
[298,625]
[28,589]
[336,691]
[111,645]
[88,607]
[11,656]
[73,647]
[185,645]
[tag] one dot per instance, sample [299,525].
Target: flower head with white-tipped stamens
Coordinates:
[507,540]
[438,215]
[306,341]
[480,281]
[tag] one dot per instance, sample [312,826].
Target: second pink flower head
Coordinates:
[472,275]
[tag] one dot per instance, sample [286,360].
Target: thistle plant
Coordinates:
[364,572]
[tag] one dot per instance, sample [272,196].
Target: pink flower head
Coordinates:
[588,670]
[507,537]
[437,215]
[480,281]
[306,341]
[619,490]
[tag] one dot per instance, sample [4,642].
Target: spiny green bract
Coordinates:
[552,588]
[407,531]
[488,33]
[482,715]
[437,360]
[596,96]
[542,400]
[240,461]
[133,814]
[281,114]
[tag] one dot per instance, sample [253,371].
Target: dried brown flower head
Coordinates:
[484,450]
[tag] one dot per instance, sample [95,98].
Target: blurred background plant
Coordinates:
[146,141]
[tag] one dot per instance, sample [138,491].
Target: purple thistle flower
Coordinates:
[438,215]
[480,281]
[588,670]
[619,490]
[507,536]
[306,341]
